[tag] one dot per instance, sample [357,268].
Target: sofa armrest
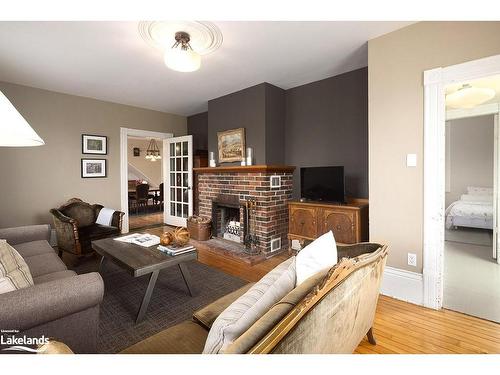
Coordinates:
[354,250]
[30,307]
[27,233]
[67,232]
[207,315]
[117,220]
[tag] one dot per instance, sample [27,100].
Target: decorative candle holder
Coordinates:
[211,162]
[249,158]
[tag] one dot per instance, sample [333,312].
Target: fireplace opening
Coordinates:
[228,220]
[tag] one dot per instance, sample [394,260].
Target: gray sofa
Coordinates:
[61,305]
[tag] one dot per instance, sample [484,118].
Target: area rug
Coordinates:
[473,236]
[170,303]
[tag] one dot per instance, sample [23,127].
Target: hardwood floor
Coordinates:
[140,221]
[400,327]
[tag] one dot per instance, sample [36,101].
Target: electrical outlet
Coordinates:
[412,259]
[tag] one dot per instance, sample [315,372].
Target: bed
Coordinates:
[473,210]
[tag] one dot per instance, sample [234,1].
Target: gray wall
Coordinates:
[197,126]
[471,142]
[36,179]
[241,109]
[327,124]
[275,125]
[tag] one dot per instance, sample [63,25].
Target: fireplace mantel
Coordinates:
[247,169]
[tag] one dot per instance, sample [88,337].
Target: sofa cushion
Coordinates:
[14,272]
[247,309]
[319,255]
[185,338]
[45,263]
[96,231]
[207,315]
[29,249]
[53,276]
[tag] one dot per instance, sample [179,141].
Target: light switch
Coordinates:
[411,160]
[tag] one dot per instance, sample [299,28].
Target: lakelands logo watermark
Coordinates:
[20,343]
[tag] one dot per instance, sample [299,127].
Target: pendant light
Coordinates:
[14,129]
[468,96]
[181,56]
[153,152]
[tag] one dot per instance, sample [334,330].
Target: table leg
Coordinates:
[147,296]
[102,263]
[187,278]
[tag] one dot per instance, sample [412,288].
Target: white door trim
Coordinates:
[124,134]
[435,81]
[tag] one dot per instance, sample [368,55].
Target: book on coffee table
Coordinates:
[176,250]
[141,239]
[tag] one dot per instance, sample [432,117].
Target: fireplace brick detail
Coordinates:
[271,212]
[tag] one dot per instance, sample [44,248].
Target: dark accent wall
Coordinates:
[260,110]
[327,124]
[321,123]
[197,125]
[275,125]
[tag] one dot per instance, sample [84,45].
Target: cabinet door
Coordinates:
[341,223]
[303,222]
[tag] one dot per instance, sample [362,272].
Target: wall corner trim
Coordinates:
[403,285]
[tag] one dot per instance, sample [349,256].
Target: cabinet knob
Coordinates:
[339,227]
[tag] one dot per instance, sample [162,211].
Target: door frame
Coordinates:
[435,82]
[124,134]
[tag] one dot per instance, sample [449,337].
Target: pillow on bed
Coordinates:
[477,198]
[476,190]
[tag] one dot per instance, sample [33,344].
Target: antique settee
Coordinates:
[75,225]
[330,312]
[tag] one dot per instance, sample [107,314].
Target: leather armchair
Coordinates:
[75,225]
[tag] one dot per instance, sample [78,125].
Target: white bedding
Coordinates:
[470,213]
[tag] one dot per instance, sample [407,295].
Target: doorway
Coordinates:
[137,170]
[435,177]
[471,282]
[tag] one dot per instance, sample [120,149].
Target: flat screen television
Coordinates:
[322,184]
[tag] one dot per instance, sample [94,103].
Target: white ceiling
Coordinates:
[110,61]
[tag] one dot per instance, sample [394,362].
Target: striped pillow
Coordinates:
[14,272]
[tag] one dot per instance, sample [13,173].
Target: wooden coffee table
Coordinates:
[140,261]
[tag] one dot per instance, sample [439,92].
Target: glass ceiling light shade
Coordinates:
[153,152]
[14,129]
[181,56]
[469,97]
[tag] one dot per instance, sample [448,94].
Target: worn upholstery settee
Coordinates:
[75,225]
[330,312]
[61,304]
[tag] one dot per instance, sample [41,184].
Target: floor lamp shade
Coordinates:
[14,129]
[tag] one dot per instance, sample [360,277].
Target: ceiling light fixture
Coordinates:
[468,96]
[14,129]
[153,152]
[181,57]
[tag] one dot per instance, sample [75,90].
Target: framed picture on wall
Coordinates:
[231,145]
[93,168]
[94,144]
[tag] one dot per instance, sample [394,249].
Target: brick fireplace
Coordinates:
[249,204]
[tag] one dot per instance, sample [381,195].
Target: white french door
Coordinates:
[178,180]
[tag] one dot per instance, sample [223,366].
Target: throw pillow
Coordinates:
[315,257]
[246,310]
[14,272]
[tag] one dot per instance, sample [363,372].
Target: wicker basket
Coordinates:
[199,228]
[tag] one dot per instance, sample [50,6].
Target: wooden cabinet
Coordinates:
[309,220]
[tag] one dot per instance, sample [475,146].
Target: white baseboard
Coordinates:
[403,285]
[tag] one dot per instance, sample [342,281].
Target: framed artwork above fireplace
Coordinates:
[231,145]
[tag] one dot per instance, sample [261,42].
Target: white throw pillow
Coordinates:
[315,257]
[250,307]
[478,190]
